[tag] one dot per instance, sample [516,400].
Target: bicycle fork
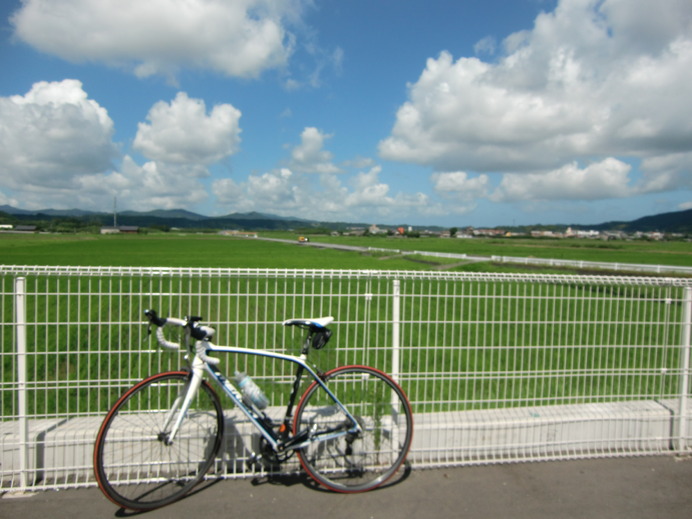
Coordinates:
[181,405]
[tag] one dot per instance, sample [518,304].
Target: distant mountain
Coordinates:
[48,212]
[259,216]
[165,213]
[75,213]
[173,218]
[673,222]
[679,221]
[14,211]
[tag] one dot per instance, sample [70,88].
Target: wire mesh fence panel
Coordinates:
[498,367]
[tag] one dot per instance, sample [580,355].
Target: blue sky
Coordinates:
[481,112]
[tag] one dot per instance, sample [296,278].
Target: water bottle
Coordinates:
[252,394]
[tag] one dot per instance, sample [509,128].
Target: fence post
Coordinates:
[685,368]
[22,401]
[396,329]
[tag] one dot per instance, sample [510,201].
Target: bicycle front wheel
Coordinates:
[136,464]
[355,462]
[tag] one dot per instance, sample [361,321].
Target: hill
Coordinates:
[672,222]
[173,214]
[174,218]
[677,222]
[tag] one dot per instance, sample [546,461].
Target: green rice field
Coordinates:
[204,250]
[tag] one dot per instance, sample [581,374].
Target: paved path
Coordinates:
[632,488]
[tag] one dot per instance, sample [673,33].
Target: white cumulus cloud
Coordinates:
[141,187]
[240,38]
[462,189]
[181,139]
[310,156]
[606,179]
[335,197]
[592,81]
[56,150]
[278,191]
[158,185]
[667,173]
[51,136]
[459,184]
[181,132]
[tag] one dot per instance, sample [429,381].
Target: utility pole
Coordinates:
[115,212]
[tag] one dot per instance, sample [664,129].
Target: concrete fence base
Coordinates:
[60,451]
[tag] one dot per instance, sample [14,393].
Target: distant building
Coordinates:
[25,228]
[488,232]
[571,233]
[127,229]
[239,234]
[374,229]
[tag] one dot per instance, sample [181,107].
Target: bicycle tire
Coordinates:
[134,466]
[360,463]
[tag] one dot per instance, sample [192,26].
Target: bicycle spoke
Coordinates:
[355,462]
[137,466]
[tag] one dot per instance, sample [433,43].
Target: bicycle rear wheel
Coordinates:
[355,463]
[135,464]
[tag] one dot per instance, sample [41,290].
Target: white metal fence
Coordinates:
[498,367]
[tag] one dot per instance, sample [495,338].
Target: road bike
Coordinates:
[351,428]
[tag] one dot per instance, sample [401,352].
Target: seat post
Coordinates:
[306,344]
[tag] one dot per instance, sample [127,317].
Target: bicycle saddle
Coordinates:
[321,322]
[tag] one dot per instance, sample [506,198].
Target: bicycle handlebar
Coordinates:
[201,333]
[155,319]
[163,342]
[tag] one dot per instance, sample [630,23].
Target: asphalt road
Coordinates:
[631,488]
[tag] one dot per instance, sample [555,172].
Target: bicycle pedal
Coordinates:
[254,461]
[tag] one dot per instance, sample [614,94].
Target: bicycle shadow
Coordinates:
[286,480]
[289,480]
[125,512]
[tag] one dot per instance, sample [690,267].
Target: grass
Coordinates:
[205,250]
[677,253]
[179,251]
